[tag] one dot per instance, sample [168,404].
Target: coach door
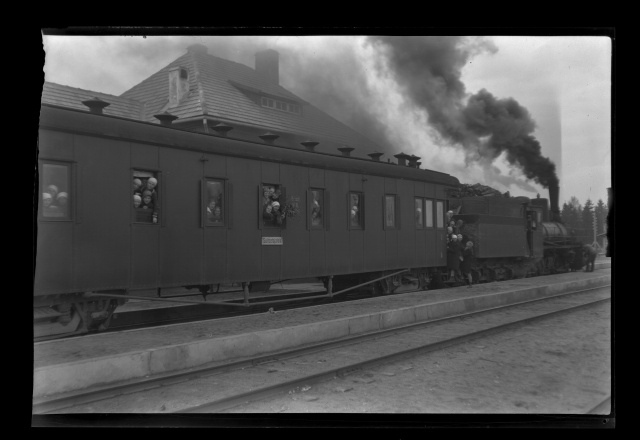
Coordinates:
[534,232]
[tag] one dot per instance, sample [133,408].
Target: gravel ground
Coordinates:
[561,365]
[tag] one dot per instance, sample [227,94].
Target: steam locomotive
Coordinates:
[221,210]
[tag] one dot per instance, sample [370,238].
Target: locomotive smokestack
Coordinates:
[554,192]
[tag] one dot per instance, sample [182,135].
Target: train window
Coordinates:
[439,214]
[271,206]
[419,212]
[356,210]
[214,202]
[55,194]
[390,211]
[146,198]
[317,208]
[428,209]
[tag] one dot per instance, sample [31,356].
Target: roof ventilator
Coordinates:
[222,129]
[269,137]
[402,158]
[165,118]
[346,151]
[413,161]
[375,156]
[96,105]
[309,145]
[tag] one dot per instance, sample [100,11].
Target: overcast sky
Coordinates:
[560,85]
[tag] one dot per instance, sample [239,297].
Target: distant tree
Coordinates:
[572,214]
[601,211]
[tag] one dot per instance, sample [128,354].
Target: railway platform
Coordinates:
[89,362]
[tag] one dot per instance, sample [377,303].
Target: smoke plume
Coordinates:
[429,70]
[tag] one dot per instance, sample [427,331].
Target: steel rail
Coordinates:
[45,405]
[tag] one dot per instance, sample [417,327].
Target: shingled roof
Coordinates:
[221,90]
[72,97]
[228,92]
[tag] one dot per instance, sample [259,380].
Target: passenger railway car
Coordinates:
[210,216]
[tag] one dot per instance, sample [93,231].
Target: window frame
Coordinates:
[204,202]
[361,209]
[280,105]
[157,174]
[323,209]
[423,216]
[440,205]
[396,212]
[71,199]
[433,223]
[281,200]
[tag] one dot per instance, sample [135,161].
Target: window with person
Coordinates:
[317,208]
[146,200]
[428,209]
[272,205]
[55,200]
[390,211]
[356,210]
[214,202]
[439,214]
[419,212]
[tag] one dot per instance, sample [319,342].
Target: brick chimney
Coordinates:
[267,65]
[178,85]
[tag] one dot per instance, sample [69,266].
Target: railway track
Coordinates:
[500,319]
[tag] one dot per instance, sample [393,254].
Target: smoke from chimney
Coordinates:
[429,70]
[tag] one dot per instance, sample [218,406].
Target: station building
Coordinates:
[204,93]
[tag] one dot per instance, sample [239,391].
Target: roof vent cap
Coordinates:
[165,118]
[96,105]
[309,145]
[402,158]
[346,151]
[269,137]
[222,129]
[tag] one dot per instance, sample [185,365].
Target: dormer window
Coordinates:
[184,74]
[280,105]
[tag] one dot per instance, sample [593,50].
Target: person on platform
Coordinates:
[590,254]
[453,258]
[467,262]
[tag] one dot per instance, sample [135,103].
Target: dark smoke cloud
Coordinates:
[429,70]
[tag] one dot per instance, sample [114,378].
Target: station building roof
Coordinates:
[219,90]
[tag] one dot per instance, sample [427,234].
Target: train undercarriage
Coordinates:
[64,315]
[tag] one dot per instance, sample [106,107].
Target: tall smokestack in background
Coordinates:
[268,65]
[554,192]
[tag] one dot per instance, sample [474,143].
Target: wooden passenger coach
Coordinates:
[99,244]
